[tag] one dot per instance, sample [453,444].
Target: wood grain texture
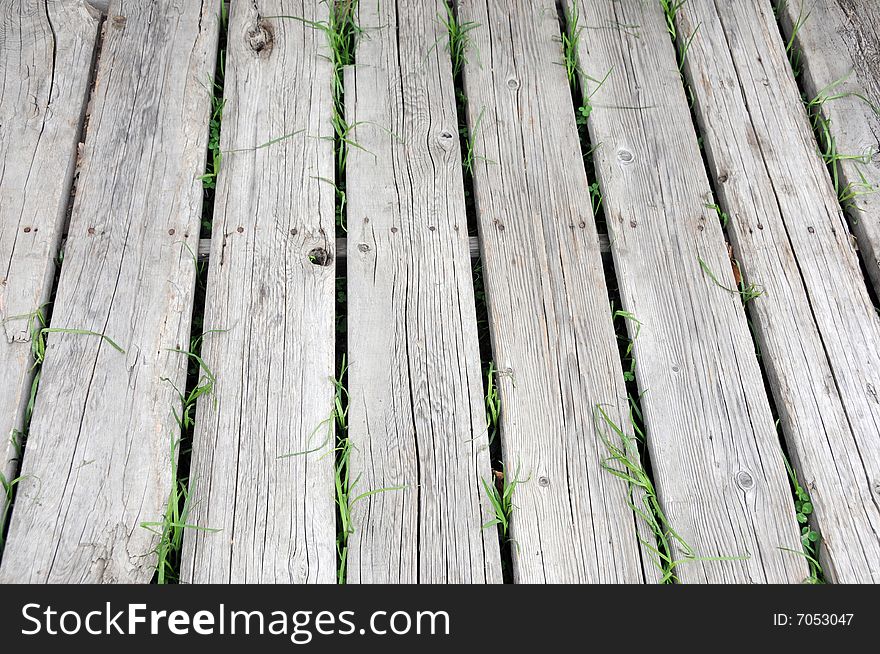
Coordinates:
[817,330]
[714,450]
[549,312]
[838,46]
[46,51]
[274,363]
[417,417]
[98,463]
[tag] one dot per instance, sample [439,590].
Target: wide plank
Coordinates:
[417,421]
[837,48]
[44,77]
[98,460]
[550,320]
[818,333]
[715,454]
[274,359]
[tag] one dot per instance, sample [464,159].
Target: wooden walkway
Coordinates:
[651,237]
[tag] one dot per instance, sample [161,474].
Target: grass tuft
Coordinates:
[493,403]
[624,462]
[747,292]
[173,525]
[501,500]
[571,39]
[722,215]
[819,114]
[459,41]
[8,493]
[810,538]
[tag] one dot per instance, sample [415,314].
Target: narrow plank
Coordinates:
[550,319]
[838,45]
[711,436]
[274,364]
[98,457]
[417,417]
[817,330]
[44,76]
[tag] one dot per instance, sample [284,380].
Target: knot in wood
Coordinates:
[118,21]
[320,257]
[625,157]
[363,247]
[543,482]
[446,139]
[513,83]
[260,38]
[744,480]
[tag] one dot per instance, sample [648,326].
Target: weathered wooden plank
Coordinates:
[46,52]
[816,327]
[838,49]
[548,303]
[98,457]
[274,363]
[417,417]
[711,435]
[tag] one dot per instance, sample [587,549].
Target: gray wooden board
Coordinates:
[550,319]
[46,51]
[817,331]
[838,50]
[98,459]
[714,449]
[274,361]
[417,417]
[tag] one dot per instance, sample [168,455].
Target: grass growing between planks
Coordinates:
[811,540]
[218,105]
[747,292]
[682,44]
[624,462]
[500,494]
[342,31]
[819,111]
[347,495]
[459,42]
[174,523]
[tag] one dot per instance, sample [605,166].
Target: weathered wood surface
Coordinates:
[274,363]
[417,417]
[44,76]
[711,436]
[98,463]
[838,49]
[550,319]
[818,333]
